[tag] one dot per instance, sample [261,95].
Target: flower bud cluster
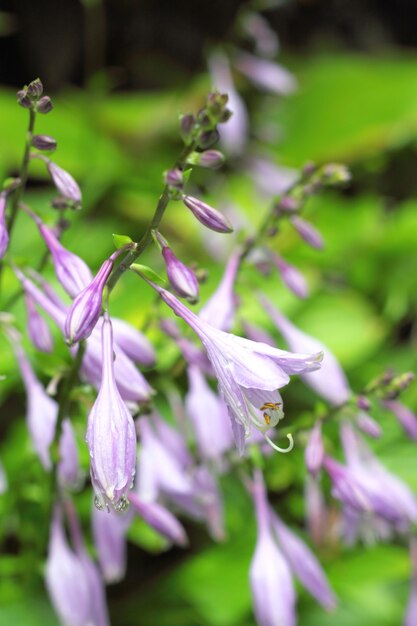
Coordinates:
[31,97]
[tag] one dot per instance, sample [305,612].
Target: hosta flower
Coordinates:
[220,309]
[314,452]
[404,415]
[109,530]
[330,382]
[64,182]
[111,435]
[308,232]
[38,329]
[248,373]
[4,235]
[160,519]
[291,276]
[266,74]
[133,343]
[182,279]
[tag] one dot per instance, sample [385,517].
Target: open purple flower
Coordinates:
[111,435]
[248,373]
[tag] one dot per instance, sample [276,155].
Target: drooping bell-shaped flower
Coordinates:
[4,234]
[87,306]
[111,435]
[109,532]
[64,182]
[270,576]
[308,232]
[248,373]
[209,416]
[69,474]
[314,453]
[234,134]
[220,309]
[38,329]
[41,412]
[303,563]
[266,74]
[160,519]
[291,277]
[209,217]
[133,343]
[330,381]
[404,415]
[71,271]
[182,279]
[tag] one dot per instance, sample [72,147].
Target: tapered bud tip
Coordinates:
[211,218]
[45,105]
[174,178]
[35,89]
[44,142]
[210,158]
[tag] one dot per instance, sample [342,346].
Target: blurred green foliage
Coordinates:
[353,109]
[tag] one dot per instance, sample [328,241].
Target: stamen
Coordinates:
[277,448]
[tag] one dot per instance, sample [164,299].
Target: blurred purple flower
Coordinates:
[315,509]
[314,453]
[4,235]
[368,425]
[248,373]
[330,381]
[291,276]
[220,309]
[109,530]
[69,474]
[266,74]
[111,435]
[264,37]
[307,232]
[133,343]
[160,519]
[64,182]
[404,415]
[271,179]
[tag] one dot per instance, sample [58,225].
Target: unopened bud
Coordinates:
[208,216]
[44,142]
[210,158]
[208,138]
[187,127]
[368,425]
[174,178]
[44,105]
[307,232]
[23,99]
[288,204]
[363,403]
[35,89]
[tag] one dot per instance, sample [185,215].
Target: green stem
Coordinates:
[153,225]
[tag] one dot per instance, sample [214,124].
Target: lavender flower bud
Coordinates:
[38,329]
[210,158]
[307,232]
[71,271]
[368,425]
[64,182]
[182,279]
[207,215]
[23,99]
[174,178]
[35,89]
[291,276]
[187,127]
[44,105]
[111,435]
[404,415]
[44,142]
[4,235]
[314,453]
[208,138]
[288,204]
[160,519]
[87,306]
[363,403]
[109,530]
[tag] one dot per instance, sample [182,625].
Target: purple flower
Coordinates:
[111,435]
[266,74]
[304,564]
[270,577]
[160,519]
[258,28]
[109,530]
[68,468]
[71,271]
[182,279]
[404,415]
[133,343]
[208,216]
[209,417]
[42,411]
[220,309]
[234,134]
[87,306]
[248,373]
[330,382]
[368,425]
[4,235]
[307,232]
[314,452]
[38,329]
[291,276]
[270,179]
[315,509]
[64,182]
[72,579]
